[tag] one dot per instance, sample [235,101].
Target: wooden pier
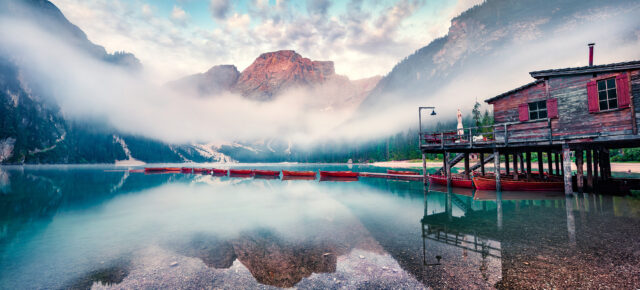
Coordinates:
[564,114]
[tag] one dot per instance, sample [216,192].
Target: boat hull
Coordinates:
[516,185]
[348,174]
[220,171]
[455,181]
[402,172]
[266,173]
[241,171]
[299,173]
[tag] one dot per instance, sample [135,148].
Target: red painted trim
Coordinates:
[622,87]
[552,108]
[523,112]
[592,96]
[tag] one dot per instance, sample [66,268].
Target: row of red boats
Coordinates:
[507,183]
[275,173]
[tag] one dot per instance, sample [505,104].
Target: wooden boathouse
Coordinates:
[581,111]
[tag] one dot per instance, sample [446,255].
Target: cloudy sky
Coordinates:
[174,38]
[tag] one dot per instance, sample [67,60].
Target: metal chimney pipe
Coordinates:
[591,53]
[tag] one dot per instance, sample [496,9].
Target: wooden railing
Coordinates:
[501,134]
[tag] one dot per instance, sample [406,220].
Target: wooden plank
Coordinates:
[540,165]
[549,163]
[482,163]
[466,165]
[528,156]
[515,166]
[506,163]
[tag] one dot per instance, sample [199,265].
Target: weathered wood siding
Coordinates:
[635,95]
[574,118]
[506,109]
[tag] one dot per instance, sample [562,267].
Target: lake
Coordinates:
[101,226]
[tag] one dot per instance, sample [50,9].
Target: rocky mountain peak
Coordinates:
[273,72]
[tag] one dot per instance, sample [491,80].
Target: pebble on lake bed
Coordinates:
[173,264]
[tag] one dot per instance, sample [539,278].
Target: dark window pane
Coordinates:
[601,86]
[603,105]
[613,104]
[532,107]
[612,94]
[542,114]
[533,115]
[542,105]
[611,83]
[602,95]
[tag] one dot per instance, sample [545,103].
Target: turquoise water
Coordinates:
[102,226]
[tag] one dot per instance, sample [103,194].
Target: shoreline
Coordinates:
[621,167]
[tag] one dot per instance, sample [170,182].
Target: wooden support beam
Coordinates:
[496,162]
[549,163]
[579,173]
[466,165]
[606,160]
[589,170]
[521,156]
[482,163]
[528,156]
[540,165]
[562,165]
[566,157]
[444,164]
[506,163]
[424,169]
[557,160]
[596,164]
[447,169]
[515,166]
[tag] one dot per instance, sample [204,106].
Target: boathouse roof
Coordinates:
[514,90]
[586,69]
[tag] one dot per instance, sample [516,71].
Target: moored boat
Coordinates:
[517,185]
[186,170]
[406,172]
[299,173]
[338,174]
[219,171]
[266,172]
[338,178]
[456,181]
[241,171]
[154,169]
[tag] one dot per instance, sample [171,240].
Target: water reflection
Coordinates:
[82,227]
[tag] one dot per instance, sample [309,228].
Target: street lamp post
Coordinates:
[424,159]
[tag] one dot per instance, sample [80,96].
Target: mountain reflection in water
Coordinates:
[77,227]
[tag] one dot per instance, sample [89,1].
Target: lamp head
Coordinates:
[433,113]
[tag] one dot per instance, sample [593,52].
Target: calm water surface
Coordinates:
[99,226]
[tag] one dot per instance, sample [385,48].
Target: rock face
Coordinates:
[218,79]
[273,72]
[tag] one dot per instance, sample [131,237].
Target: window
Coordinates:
[538,110]
[607,96]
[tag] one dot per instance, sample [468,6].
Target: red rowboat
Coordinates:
[199,170]
[154,169]
[299,173]
[456,181]
[220,171]
[338,174]
[337,178]
[241,171]
[517,185]
[294,177]
[266,172]
[402,172]
[186,170]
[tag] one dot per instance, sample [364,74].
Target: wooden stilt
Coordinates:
[566,157]
[557,160]
[515,166]
[562,165]
[596,164]
[606,161]
[444,164]
[506,163]
[521,157]
[424,169]
[447,168]
[540,165]
[579,173]
[589,170]
[528,156]
[496,162]
[466,165]
[549,163]
[482,163]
